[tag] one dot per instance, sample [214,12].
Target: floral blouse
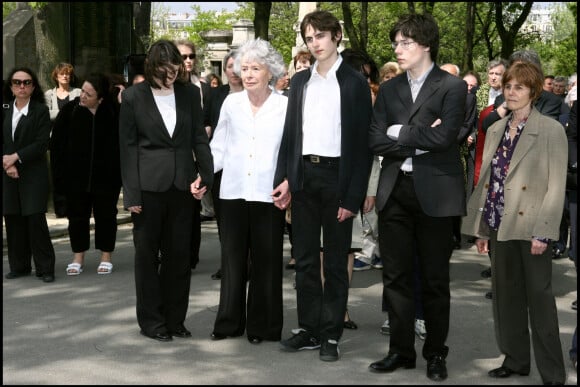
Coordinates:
[494,203]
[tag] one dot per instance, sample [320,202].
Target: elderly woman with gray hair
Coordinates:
[245,147]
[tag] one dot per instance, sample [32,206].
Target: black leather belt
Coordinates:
[315,159]
[405,173]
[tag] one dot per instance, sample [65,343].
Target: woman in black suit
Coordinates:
[85,168]
[25,135]
[160,129]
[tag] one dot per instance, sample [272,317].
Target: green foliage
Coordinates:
[206,21]
[7,8]
[558,56]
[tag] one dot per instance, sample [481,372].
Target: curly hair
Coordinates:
[262,52]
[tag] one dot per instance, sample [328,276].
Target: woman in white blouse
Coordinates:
[245,147]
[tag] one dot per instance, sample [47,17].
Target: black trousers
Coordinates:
[251,235]
[195,233]
[321,308]
[28,237]
[403,230]
[163,290]
[103,207]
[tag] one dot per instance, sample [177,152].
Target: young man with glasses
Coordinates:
[421,189]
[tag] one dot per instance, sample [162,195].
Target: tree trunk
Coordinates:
[262,19]
[469,32]
[142,16]
[508,36]
[353,38]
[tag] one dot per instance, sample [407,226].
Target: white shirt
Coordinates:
[321,114]
[493,93]
[17,115]
[245,146]
[166,106]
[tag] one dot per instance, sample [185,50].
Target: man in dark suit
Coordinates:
[415,125]
[324,161]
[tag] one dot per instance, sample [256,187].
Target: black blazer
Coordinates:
[355,156]
[437,174]
[28,194]
[153,161]
[84,149]
[211,109]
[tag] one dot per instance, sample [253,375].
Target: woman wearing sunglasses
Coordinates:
[205,206]
[25,134]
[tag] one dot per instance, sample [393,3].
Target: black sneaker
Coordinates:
[298,342]
[329,350]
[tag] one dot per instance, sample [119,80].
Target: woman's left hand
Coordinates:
[538,247]
[198,189]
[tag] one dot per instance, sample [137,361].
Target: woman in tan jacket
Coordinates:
[515,211]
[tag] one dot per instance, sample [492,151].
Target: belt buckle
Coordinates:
[314,159]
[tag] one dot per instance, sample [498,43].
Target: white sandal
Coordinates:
[74,269]
[105,268]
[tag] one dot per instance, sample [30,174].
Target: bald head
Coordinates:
[451,69]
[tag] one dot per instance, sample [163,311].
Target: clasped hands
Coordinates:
[8,163]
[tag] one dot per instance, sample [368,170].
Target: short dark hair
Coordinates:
[161,54]
[322,21]
[357,59]
[529,75]
[422,28]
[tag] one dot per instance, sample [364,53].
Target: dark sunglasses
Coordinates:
[190,56]
[18,82]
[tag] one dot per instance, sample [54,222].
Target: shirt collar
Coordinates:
[24,110]
[331,72]
[422,78]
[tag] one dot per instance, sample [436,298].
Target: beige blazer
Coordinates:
[535,184]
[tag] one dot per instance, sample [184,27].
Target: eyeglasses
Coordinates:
[190,56]
[25,82]
[405,44]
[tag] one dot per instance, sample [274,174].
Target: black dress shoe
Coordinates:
[161,336]
[489,295]
[436,368]
[391,363]
[217,336]
[557,253]
[180,332]
[349,324]
[504,372]
[48,278]
[217,275]
[486,273]
[553,384]
[16,274]
[254,339]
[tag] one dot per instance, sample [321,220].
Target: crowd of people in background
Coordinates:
[418,154]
